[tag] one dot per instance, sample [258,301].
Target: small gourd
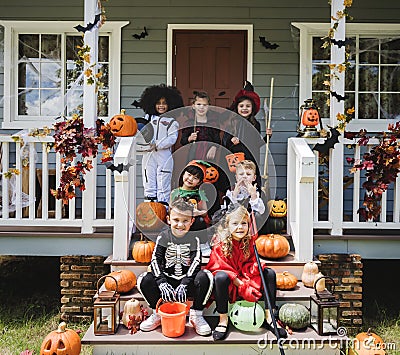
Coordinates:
[285,281]
[310,269]
[319,285]
[132,312]
[142,250]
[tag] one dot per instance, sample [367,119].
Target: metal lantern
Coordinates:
[324,310]
[106,309]
[309,120]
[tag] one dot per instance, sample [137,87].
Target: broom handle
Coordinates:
[268,125]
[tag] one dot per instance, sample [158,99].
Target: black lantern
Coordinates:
[309,120]
[324,310]
[106,309]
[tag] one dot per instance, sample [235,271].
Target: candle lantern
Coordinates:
[309,120]
[106,309]
[324,310]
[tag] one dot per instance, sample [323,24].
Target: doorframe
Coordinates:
[207,26]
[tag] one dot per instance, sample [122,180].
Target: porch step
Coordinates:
[303,342]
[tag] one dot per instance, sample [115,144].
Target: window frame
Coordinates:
[11,31]
[308,31]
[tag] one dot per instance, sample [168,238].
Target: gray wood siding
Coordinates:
[144,61]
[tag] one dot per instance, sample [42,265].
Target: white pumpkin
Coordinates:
[320,286]
[132,308]
[310,269]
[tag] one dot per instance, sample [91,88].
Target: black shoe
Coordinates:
[218,334]
[281,332]
[150,199]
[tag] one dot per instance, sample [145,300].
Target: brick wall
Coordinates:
[78,280]
[346,270]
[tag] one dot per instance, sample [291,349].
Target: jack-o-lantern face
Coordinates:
[150,216]
[278,208]
[61,342]
[122,125]
[310,117]
[212,175]
[233,159]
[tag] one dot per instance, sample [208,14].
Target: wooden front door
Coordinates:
[214,61]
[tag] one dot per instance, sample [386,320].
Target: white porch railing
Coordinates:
[314,187]
[26,197]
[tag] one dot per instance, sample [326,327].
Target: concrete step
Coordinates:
[303,342]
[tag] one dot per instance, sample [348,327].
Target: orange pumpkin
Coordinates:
[212,175]
[233,159]
[123,125]
[285,280]
[278,208]
[126,281]
[143,250]
[273,246]
[310,117]
[150,216]
[62,341]
[367,343]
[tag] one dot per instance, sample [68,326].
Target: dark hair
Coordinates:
[154,93]
[181,205]
[234,107]
[194,170]
[201,95]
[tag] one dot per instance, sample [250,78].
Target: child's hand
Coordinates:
[180,293]
[252,190]
[249,293]
[236,190]
[167,292]
[192,137]
[235,140]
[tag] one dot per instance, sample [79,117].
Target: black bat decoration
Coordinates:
[329,142]
[338,97]
[143,34]
[268,45]
[89,26]
[136,103]
[340,43]
[120,167]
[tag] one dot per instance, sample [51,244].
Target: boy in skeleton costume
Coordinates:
[176,270]
[157,163]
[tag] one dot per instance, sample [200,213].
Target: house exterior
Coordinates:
[138,47]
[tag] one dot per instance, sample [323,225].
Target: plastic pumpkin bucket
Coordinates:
[173,318]
[233,159]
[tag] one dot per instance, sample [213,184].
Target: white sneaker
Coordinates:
[199,323]
[151,323]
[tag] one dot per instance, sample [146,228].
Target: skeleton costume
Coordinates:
[157,165]
[176,262]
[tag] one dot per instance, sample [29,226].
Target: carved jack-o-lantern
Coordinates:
[212,175]
[233,159]
[123,125]
[277,208]
[150,216]
[62,341]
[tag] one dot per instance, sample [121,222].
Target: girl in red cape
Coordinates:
[234,266]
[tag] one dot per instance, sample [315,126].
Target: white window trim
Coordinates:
[207,26]
[308,30]
[11,28]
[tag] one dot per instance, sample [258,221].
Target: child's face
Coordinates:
[161,106]
[246,175]
[200,106]
[245,108]
[180,222]
[238,226]
[190,181]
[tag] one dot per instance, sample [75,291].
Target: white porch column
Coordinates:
[338,56]
[89,118]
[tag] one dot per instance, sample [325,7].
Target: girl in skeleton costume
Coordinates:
[157,163]
[176,270]
[234,266]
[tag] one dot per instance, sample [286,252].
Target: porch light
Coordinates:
[106,309]
[324,310]
[309,120]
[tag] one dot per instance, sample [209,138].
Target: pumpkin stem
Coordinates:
[61,327]
[369,332]
[123,111]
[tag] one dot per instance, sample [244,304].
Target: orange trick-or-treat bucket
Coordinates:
[173,318]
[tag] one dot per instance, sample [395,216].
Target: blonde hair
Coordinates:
[247,164]
[226,238]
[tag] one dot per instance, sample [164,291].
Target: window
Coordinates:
[372,84]
[42,80]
